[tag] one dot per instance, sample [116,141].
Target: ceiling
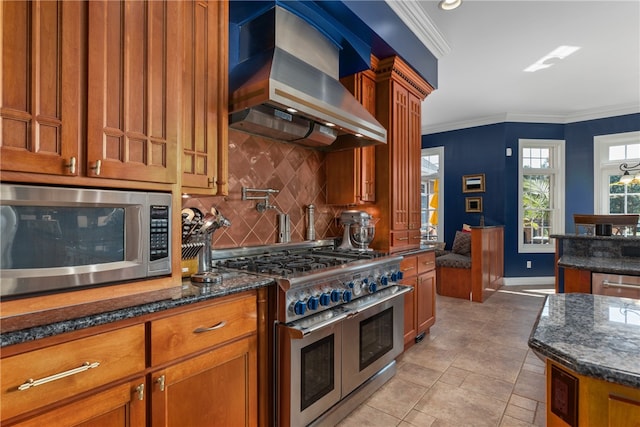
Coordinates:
[484,46]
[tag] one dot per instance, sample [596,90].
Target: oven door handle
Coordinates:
[402,289]
[300,332]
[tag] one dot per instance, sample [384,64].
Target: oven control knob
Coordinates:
[335,296]
[365,280]
[396,276]
[299,308]
[346,296]
[351,284]
[325,299]
[384,280]
[372,288]
[313,303]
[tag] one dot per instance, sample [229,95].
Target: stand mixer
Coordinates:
[359,229]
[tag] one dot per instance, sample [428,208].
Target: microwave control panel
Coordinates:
[159,235]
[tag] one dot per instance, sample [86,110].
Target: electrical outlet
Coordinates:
[528,264]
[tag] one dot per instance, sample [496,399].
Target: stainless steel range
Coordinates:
[339,325]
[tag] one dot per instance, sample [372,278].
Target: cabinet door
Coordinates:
[367,155]
[118,406]
[413,148]
[410,331]
[426,301]
[204,148]
[40,98]
[400,159]
[133,111]
[217,388]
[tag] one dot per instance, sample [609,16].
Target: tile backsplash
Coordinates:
[297,173]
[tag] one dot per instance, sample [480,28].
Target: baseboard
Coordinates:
[518,281]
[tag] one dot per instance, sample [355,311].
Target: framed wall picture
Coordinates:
[473,204]
[473,183]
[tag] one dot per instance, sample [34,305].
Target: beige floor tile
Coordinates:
[473,369]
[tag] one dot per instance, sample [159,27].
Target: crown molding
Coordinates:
[421,25]
[578,116]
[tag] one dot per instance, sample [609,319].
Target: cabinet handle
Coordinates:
[212,328]
[407,269]
[34,383]
[71,165]
[608,284]
[96,168]
[403,238]
[140,391]
[210,182]
[160,382]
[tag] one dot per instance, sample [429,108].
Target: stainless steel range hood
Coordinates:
[286,87]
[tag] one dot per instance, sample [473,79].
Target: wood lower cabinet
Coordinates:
[578,400]
[576,280]
[351,174]
[399,93]
[204,100]
[210,358]
[37,379]
[420,304]
[41,46]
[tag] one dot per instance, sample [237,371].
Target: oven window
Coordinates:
[376,337]
[54,236]
[317,371]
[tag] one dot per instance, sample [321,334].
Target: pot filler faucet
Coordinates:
[284,224]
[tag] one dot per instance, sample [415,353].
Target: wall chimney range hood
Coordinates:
[285,87]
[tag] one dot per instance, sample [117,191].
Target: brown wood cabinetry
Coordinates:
[576,280]
[597,402]
[134,69]
[351,173]
[194,365]
[399,93]
[420,304]
[40,102]
[210,356]
[204,101]
[73,368]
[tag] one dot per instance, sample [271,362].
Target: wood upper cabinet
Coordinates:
[40,97]
[205,93]
[351,176]
[134,79]
[400,92]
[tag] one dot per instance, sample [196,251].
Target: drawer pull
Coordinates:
[408,269]
[33,383]
[71,166]
[213,328]
[97,167]
[608,284]
[403,238]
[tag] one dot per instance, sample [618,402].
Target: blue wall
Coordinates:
[482,150]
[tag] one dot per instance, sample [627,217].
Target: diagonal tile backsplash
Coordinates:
[299,175]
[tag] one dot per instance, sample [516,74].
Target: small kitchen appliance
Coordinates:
[359,229]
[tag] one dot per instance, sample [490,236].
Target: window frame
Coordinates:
[557,171]
[432,151]
[602,167]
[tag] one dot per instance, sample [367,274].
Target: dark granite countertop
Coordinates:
[232,282]
[628,266]
[593,335]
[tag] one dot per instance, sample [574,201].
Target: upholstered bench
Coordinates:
[474,267]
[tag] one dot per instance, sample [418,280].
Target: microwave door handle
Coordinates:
[302,332]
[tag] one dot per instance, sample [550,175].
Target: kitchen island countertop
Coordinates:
[593,335]
[232,282]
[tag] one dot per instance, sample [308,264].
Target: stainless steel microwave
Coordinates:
[54,238]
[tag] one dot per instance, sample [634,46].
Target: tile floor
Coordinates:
[473,369]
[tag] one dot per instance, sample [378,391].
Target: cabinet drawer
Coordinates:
[426,262]
[409,266]
[58,371]
[400,238]
[616,285]
[196,330]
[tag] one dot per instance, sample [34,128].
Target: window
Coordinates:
[611,151]
[541,195]
[432,194]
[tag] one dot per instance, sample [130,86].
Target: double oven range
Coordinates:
[338,325]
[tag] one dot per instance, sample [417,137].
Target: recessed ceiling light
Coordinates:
[359,135]
[330,124]
[449,4]
[560,52]
[292,110]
